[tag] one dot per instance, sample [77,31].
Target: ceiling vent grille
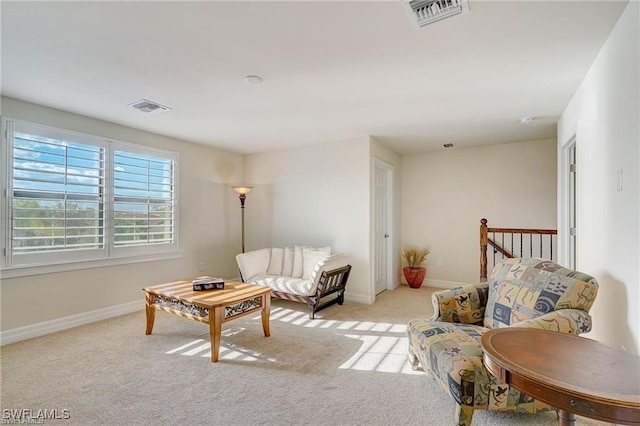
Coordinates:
[425,12]
[145,105]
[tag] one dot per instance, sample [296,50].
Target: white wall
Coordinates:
[605,114]
[316,195]
[446,193]
[209,229]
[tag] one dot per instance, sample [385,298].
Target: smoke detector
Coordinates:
[145,105]
[425,12]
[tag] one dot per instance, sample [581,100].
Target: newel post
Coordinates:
[483,250]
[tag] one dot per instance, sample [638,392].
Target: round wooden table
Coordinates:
[574,374]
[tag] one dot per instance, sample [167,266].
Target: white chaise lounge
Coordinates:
[302,274]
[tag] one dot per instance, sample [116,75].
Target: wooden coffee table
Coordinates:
[574,374]
[212,307]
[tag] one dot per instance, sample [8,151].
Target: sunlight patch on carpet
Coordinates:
[383,345]
[203,349]
[384,354]
[195,342]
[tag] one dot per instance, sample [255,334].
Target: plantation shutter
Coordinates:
[144,199]
[57,188]
[75,200]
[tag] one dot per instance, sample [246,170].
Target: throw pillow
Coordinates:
[276,262]
[310,258]
[287,269]
[297,262]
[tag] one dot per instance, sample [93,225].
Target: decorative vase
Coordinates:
[414,275]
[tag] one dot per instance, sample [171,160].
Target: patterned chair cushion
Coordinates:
[522,289]
[453,356]
[462,304]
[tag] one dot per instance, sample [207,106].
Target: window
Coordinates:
[73,197]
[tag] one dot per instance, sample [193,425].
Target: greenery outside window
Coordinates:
[72,197]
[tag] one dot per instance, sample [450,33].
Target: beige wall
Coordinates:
[209,229]
[604,114]
[316,195]
[446,193]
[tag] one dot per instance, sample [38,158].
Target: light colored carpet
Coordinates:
[348,367]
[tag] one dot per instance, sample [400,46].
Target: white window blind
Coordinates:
[143,199]
[73,197]
[57,195]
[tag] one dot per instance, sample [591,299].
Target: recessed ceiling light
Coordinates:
[253,79]
[526,120]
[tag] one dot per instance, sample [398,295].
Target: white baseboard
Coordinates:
[42,328]
[444,284]
[357,298]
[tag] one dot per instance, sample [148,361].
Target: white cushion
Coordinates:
[297,262]
[327,264]
[310,257]
[277,261]
[285,284]
[253,262]
[287,268]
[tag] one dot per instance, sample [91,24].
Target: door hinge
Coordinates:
[572,231]
[572,168]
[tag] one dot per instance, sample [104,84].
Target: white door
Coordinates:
[572,205]
[383,201]
[568,217]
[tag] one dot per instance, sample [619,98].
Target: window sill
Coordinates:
[25,271]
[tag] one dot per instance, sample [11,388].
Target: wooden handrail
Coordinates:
[498,248]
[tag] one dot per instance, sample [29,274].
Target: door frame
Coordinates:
[390,178]
[565,201]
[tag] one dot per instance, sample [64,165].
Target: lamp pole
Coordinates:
[242,191]
[242,198]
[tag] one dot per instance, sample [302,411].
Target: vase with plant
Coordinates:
[414,272]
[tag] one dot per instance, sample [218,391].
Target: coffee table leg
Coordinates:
[266,312]
[151,312]
[566,418]
[215,330]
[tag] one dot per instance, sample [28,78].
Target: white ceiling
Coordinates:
[332,70]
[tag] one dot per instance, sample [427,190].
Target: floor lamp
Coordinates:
[242,190]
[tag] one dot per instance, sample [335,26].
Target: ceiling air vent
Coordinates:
[425,12]
[148,106]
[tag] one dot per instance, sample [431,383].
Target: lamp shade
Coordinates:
[242,189]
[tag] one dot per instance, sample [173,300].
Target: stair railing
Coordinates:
[514,242]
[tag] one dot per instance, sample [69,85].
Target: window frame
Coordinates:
[39,263]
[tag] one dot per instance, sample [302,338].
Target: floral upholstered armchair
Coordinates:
[521,292]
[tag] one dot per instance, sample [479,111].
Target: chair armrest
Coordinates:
[463,305]
[329,263]
[330,276]
[569,321]
[253,262]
